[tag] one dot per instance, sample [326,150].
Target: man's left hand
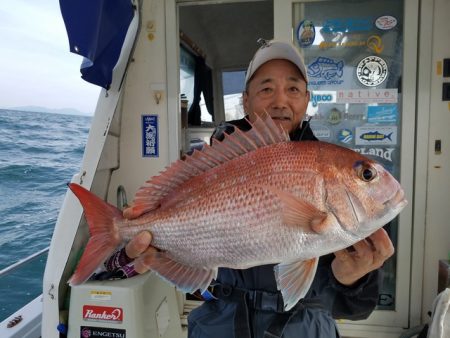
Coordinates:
[368,255]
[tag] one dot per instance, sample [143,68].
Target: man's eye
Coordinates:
[266,90]
[294,89]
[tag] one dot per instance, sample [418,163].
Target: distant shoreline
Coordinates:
[36,109]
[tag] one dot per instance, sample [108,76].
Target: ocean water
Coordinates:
[39,154]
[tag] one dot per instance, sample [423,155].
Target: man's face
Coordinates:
[278,88]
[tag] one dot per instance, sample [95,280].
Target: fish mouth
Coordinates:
[397,201]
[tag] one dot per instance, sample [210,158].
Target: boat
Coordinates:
[146,55]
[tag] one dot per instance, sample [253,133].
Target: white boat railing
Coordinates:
[21,262]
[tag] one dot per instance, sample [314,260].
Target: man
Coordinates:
[246,303]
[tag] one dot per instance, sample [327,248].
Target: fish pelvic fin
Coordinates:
[186,278]
[156,192]
[298,212]
[294,280]
[104,235]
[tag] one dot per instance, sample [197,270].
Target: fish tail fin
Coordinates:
[104,234]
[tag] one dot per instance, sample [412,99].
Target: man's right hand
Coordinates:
[137,249]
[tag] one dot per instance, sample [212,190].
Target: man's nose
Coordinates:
[280,99]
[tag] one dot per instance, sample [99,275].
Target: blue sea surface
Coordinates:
[39,154]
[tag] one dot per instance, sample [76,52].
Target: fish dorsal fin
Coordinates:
[263,132]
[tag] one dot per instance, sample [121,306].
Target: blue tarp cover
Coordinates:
[97,30]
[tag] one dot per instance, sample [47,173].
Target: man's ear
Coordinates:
[307,98]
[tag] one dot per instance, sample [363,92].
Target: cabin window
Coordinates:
[233,86]
[187,72]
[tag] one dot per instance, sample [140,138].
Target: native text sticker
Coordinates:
[367,96]
[372,71]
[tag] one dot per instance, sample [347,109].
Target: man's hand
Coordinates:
[137,249]
[369,254]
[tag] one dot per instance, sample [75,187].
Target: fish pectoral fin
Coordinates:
[299,212]
[186,278]
[294,280]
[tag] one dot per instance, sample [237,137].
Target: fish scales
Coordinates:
[228,219]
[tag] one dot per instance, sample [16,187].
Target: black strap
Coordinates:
[260,300]
[241,316]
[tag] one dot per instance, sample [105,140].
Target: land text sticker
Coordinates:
[150,146]
[306,33]
[372,71]
[376,135]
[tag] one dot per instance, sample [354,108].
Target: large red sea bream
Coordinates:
[255,198]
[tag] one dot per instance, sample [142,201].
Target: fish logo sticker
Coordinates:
[386,22]
[372,71]
[325,68]
[306,33]
[376,135]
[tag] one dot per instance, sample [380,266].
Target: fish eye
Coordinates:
[366,172]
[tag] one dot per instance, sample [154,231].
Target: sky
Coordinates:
[36,66]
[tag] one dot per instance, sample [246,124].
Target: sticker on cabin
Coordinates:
[306,33]
[386,22]
[367,96]
[150,136]
[382,114]
[335,116]
[101,332]
[376,135]
[375,44]
[372,71]
[322,96]
[100,295]
[325,71]
[345,136]
[347,25]
[107,314]
[320,131]
[380,153]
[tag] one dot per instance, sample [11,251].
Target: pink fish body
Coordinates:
[252,199]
